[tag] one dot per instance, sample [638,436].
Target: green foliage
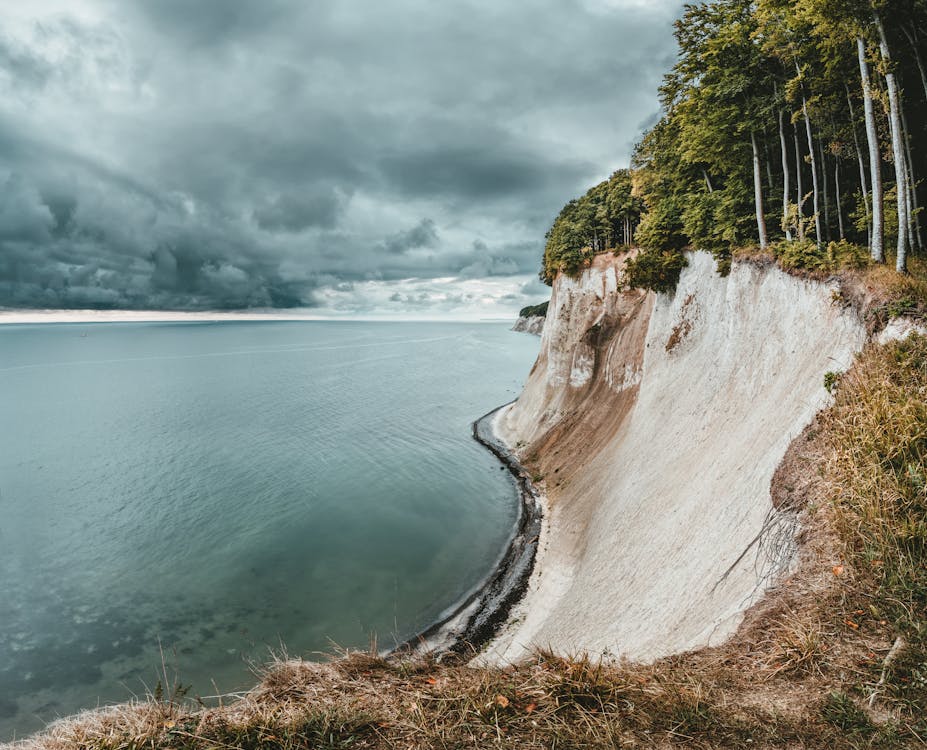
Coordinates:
[656,270]
[534,311]
[602,219]
[839,710]
[760,72]
[899,308]
[809,256]
[832,380]
[661,228]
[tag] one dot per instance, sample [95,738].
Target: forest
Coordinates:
[792,127]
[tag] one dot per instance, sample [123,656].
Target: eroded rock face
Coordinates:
[533,325]
[657,422]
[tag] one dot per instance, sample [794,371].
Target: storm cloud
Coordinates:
[344,155]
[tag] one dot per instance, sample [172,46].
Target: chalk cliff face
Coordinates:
[533,324]
[657,422]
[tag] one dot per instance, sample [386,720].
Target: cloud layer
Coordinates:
[338,154]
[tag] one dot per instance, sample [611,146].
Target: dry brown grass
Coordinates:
[881,294]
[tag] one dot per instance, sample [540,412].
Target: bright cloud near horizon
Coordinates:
[356,158]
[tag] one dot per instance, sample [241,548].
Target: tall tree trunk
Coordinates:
[837,193]
[914,235]
[770,185]
[800,201]
[916,46]
[785,178]
[758,194]
[864,187]
[877,247]
[901,173]
[826,192]
[819,236]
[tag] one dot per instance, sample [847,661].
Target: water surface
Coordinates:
[217,490]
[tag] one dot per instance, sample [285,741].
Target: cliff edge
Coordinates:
[655,423]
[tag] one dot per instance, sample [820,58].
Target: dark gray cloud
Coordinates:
[423,234]
[295,212]
[228,154]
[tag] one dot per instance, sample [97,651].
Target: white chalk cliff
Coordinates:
[533,324]
[657,421]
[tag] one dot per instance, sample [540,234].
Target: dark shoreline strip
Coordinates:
[503,589]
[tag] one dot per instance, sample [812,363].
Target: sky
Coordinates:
[352,157]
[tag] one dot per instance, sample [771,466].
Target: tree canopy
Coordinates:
[603,219]
[783,122]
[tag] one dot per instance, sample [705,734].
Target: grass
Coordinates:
[876,438]
[835,657]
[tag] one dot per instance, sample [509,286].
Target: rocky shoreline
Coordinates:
[477,619]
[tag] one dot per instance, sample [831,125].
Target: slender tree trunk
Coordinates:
[800,202]
[914,235]
[785,179]
[864,187]
[901,182]
[826,192]
[819,236]
[837,194]
[916,46]
[758,194]
[912,217]
[708,180]
[768,160]
[877,247]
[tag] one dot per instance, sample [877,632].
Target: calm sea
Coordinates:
[218,491]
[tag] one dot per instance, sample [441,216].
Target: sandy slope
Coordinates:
[657,422]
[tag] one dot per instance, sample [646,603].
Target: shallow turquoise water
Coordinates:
[226,489]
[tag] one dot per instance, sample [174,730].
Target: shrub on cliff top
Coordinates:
[807,256]
[657,270]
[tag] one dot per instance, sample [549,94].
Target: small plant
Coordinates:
[900,308]
[798,646]
[832,381]
[581,682]
[689,712]
[839,710]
